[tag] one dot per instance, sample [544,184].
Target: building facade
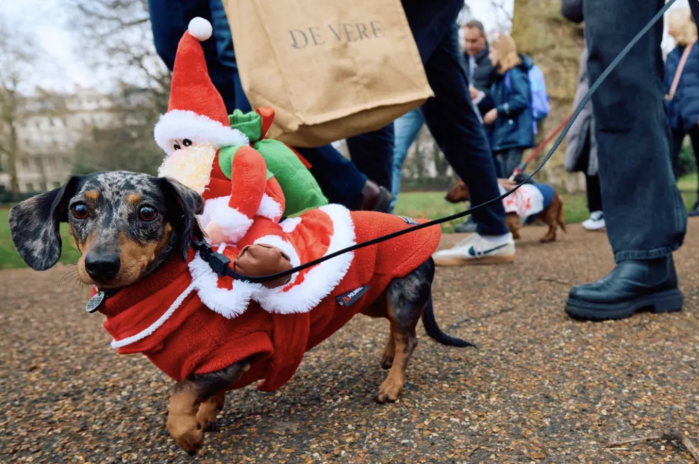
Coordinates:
[49,126]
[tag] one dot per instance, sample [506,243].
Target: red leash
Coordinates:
[520,169]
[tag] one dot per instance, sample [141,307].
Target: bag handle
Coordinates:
[680,68]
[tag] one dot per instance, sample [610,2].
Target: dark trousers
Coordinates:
[678,135]
[632,132]
[450,114]
[594,193]
[509,160]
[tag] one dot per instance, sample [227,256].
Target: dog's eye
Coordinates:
[176,146]
[79,211]
[187,143]
[147,214]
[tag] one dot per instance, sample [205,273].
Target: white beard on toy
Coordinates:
[190,165]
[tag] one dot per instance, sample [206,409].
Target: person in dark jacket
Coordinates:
[479,69]
[683,106]
[511,119]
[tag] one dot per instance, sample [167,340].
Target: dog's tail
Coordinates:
[435,333]
[561,219]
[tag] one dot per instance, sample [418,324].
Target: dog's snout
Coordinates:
[102,267]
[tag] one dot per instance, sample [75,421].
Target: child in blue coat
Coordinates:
[511,119]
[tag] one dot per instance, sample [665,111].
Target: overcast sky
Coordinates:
[48,20]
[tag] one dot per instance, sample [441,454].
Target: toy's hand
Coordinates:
[262,260]
[215,233]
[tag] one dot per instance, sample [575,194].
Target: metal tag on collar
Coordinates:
[95,302]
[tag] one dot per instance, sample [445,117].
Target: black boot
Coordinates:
[630,287]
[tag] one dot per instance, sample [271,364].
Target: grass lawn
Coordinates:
[431,205]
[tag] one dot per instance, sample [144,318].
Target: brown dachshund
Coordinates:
[553,215]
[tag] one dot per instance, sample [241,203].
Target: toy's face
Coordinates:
[190,163]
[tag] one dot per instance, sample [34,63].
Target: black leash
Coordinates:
[220,264]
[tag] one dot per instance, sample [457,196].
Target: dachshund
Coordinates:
[552,215]
[129,227]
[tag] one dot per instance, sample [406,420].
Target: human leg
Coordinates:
[636,175]
[406,129]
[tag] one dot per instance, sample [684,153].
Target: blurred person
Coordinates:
[635,172]
[480,74]
[479,68]
[511,118]
[581,152]
[362,183]
[455,125]
[682,87]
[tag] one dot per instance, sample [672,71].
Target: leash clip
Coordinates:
[218,262]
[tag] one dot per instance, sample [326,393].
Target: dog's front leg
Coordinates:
[195,402]
[182,421]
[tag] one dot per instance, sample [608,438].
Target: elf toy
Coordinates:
[206,149]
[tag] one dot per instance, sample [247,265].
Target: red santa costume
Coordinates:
[175,316]
[197,114]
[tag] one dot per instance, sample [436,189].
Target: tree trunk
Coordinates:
[12,162]
[555,45]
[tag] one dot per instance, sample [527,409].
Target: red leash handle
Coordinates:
[520,169]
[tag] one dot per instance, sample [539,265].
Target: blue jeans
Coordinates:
[406,129]
[340,179]
[509,160]
[643,210]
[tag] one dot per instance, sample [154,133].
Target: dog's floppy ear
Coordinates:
[183,204]
[35,223]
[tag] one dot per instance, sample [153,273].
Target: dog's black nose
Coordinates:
[102,267]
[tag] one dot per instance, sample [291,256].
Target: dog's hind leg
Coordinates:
[406,298]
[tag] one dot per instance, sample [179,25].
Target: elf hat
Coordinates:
[196,110]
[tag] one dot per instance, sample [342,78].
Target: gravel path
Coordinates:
[540,388]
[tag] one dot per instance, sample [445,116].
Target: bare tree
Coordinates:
[121,42]
[122,50]
[18,54]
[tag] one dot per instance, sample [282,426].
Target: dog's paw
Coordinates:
[207,415]
[389,391]
[187,432]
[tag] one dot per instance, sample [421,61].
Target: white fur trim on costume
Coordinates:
[269,208]
[154,326]
[185,124]
[233,223]
[322,279]
[289,225]
[278,242]
[200,29]
[227,303]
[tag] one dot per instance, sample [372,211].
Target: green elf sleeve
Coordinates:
[225,161]
[300,188]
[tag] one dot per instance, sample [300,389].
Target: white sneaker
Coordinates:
[596,221]
[476,249]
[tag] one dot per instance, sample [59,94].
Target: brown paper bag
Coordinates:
[331,69]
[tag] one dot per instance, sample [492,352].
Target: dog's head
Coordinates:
[458,193]
[124,224]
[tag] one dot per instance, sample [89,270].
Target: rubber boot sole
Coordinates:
[668,301]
